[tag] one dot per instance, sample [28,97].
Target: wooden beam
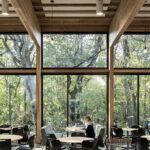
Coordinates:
[38,95]
[124,16]
[24,10]
[111,92]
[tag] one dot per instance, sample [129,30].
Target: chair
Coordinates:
[77,145]
[97,129]
[5,131]
[21,131]
[78,134]
[142,144]
[87,145]
[53,144]
[117,133]
[136,134]
[29,145]
[45,134]
[5,144]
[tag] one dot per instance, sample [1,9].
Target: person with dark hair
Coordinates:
[89,130]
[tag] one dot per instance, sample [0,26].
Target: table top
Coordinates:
[146,136]
[130,129]
[74,139]
[13,137]
[74,129]
[6,128]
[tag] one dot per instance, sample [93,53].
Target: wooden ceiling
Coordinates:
[74,15]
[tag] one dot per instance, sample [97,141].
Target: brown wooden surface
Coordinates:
[25,12]
[38,95]
[123,18]
[111,92]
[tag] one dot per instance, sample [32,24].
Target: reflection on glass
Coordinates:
[74,50]
[125,100]
[17,100]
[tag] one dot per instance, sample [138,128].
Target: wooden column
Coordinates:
[38,95]
[111,91]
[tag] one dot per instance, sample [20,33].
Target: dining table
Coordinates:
[146,137]
[128,146]
[12,137]
[74,140]
[75,129]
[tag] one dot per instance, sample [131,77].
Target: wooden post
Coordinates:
[111,91]
[38,95]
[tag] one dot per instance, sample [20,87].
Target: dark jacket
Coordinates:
[90,131]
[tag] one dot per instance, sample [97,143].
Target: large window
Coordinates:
[16,51]
[17,100]
[74,50]
[132,51]
[125,100]
[75,95]
[144,95]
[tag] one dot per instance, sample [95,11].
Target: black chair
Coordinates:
[5,131]
[117,133]
[136,134]
[29,145]
[142,144]
[53,144]
[77,145]
[78,134]
[46,132]
[87,145]
[5,144]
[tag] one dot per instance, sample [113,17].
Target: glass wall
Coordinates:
[74,50]
[144,95]
[17,100]
[125,100]
[133,51]
[77,95]
[17,51]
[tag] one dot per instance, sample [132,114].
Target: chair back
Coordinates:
[87,145]
[78,134]
[101,138]
[53,145]
[142,144]
[31,141]
[5,144]
[97,130]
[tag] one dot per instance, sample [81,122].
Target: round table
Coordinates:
[128,130]
[74,129]
[74,139]
[13,137]
[146,136]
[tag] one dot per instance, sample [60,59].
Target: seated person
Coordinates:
[89,130]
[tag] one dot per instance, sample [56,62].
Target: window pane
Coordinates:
[74,50]
[55,101]
[16,51]
[130,52]
[86,96]
[125,103]
[144,100]
[17,100]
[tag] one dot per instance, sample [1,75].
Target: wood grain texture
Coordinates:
[25,12]
[125,14]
